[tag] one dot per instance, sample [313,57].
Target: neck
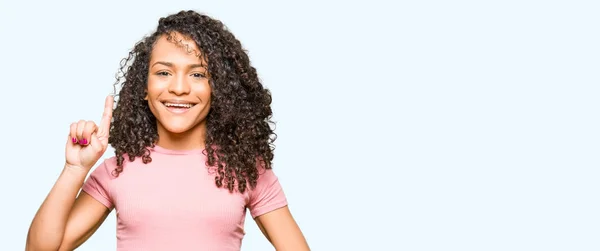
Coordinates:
[188,140]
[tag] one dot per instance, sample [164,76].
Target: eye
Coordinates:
[198,75]
[162,73]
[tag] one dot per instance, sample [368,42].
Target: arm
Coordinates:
[86,217]
[63,221]
[280,228]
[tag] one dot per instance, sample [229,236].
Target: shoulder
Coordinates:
[267,195]
[266,179]
[263,172]
[106,169]
[110,164]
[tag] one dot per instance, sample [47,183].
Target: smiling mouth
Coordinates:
[178,107]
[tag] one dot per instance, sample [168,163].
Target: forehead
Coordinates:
[176,49]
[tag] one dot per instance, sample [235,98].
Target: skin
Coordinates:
[65,220]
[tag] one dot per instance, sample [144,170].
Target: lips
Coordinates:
[178,106]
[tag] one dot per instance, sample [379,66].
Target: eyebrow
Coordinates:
[168,64]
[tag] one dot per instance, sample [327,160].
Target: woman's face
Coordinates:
[178,90]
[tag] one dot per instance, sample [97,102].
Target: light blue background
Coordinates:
[414,125]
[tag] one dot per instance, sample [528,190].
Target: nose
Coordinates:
[179,85]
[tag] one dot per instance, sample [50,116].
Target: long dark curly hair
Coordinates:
[239,135]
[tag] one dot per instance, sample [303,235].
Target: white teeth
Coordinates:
[178,105]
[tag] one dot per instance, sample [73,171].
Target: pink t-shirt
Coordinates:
[173,203]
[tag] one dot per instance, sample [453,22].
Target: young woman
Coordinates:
[193,150]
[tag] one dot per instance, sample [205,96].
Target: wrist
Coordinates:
[76,170]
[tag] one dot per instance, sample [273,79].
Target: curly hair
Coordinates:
[239,136]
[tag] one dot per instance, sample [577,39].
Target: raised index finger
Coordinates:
[107,114]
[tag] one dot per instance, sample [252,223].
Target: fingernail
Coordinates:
[83,142]
[74,140]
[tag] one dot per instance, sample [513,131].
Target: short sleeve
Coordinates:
[267,195]
[98,185]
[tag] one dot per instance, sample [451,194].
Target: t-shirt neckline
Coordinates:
[163,150]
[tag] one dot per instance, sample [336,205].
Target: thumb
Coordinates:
[96,144]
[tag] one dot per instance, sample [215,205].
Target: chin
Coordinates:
[178,128]
[179,124]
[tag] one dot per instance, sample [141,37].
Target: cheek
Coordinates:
[203,92]
[153,89]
